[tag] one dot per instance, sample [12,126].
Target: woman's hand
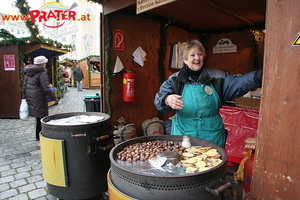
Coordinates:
[173,100]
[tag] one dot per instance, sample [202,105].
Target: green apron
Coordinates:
[200,116]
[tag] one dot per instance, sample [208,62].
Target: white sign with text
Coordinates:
[144,5]
[224,45]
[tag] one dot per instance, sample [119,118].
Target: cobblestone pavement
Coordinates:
[21,174]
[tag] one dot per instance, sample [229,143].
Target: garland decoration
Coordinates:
[10,39]
[23,7]
[21,70]
[59,82]
[107,66]
[162,51]
[82,59]
[162,55]
[256,39]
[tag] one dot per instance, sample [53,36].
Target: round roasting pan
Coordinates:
[150,186]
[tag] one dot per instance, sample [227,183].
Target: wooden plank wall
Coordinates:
[239,62]
[9,85]
[145,33]
[276,166]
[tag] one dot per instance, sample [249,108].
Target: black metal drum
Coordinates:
[83,153]
[169,187]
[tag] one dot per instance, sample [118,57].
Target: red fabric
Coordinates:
[65,74]
[241,124]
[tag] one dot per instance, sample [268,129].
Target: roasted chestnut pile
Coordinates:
[147,150]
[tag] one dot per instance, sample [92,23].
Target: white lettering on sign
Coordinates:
[145,5]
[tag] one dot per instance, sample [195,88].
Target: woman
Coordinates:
[35,89]
[196,93]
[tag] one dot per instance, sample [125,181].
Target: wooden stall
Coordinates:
[90,81]
[91,78]
[157,30]
[10,79]
[275,173]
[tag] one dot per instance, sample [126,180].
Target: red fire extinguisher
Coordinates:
[128,86]
[248,168]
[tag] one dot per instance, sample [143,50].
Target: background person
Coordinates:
[35,90]
[64,72]
[78,75]
[196,93]
[70,74]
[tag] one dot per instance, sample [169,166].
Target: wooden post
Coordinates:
[276,165]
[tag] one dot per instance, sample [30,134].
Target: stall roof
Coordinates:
[204,14]
[45,50]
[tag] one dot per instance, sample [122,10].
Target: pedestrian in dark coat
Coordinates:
[78,75]
[35,90]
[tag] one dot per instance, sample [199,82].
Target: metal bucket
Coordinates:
[174,187]
[75,158]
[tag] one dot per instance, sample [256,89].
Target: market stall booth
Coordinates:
[94,72]
[90,68]
[155,31]
[11,75]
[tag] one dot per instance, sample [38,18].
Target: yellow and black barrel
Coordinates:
[75,157]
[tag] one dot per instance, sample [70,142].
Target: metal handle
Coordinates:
[220,189]
[107,147]
[78,135]
[103,137]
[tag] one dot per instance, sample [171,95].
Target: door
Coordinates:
[9,82]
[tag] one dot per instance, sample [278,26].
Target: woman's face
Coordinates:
[194,59]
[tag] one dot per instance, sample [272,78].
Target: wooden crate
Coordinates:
[247,102]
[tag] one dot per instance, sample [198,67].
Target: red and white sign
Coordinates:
[9,62]
[118,40]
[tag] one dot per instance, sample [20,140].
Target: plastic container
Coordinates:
[92,103]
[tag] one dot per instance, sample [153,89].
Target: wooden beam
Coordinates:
[222,8]
[110,6]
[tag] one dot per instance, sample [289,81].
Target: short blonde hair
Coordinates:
[192,43]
